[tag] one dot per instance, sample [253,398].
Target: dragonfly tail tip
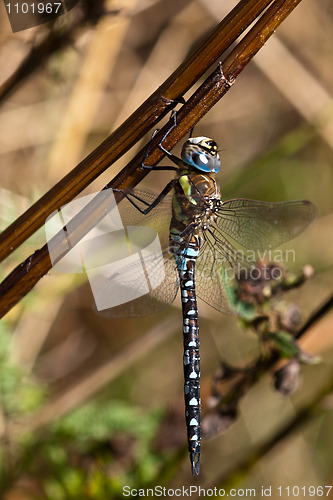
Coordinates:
[195,463]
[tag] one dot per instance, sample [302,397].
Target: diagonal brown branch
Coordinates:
[26,275]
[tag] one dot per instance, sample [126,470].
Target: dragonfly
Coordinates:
[203,238]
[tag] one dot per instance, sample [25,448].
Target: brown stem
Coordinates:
[316,316]
[304,415]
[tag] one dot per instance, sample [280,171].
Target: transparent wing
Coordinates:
[242,226]
[158,218]
[145,278]
[155,286]
[257,225]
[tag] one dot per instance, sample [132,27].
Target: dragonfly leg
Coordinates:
[178,100]
[147,153]
[175,159]
[162,148]
[145,211]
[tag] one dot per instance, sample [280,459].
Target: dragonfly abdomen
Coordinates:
[186,269]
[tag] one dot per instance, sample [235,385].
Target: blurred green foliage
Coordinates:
[90,453]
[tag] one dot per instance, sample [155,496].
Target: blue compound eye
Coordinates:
[203,161]
[201,153]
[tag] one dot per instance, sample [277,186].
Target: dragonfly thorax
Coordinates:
[195,205]
[202,154]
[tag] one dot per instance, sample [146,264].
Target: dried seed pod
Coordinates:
[287,378]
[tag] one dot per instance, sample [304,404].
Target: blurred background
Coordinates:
[89,404]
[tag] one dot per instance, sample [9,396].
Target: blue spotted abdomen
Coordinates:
[186,269]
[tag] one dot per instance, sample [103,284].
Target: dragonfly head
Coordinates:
[202,154]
